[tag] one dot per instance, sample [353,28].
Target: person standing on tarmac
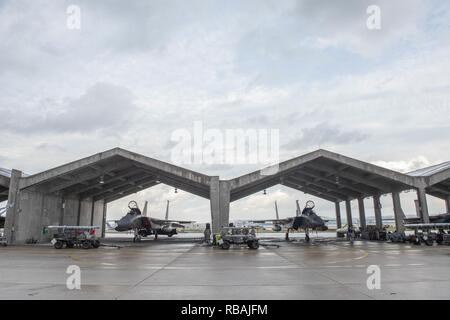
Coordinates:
[207,234]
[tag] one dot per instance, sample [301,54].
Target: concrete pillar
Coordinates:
[220,203]
[79,212]
[13,206]
[338,215]
[398,212]
[225,188]
[92,213]
[348,209]
[377,209]
[421,196]
[105,209]
[447,204]
[362,213]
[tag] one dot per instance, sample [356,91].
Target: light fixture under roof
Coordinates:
[102,179]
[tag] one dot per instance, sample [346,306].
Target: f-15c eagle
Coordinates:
[144,226]
[305,219]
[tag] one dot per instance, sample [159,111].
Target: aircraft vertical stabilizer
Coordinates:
[276,210]
[298,208]
[144,211]
[167,210]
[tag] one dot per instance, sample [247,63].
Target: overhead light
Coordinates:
[102,179]
[157,181]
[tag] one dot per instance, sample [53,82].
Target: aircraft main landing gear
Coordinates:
[307,235]
[287,235]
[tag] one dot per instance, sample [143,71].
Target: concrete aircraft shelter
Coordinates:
[77,193]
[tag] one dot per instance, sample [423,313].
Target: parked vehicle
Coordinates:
[74,236]
[238,236]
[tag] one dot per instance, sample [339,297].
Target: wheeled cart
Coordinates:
[74,236]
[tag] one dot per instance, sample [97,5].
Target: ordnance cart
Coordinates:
[74,236]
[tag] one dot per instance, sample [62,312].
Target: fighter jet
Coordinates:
[440,218]
[439,221]
[305,219]
[144,226]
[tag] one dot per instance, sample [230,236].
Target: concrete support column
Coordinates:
[105,206]
[377,209]
[338,215]
[447,204]
[421,196]
[398,212]
[348,209]
[220,203]
[362,213]
[12,211]
[92,212]
[79,212]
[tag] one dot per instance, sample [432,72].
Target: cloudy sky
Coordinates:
[137,71]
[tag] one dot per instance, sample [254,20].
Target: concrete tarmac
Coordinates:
[184,269]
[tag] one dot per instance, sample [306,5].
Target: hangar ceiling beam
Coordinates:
[310,191]
[341,182]
[122,176]
[329,186]
[115,197]
[4,181]
[350,176]
[77,179]
[127,188]
[117,187]
[186,185]
[441,190]
[251,189]
[318,189]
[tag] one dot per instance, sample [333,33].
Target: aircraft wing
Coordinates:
[274,221]
[178,221]
[428,225]
[176,225]
[171,222]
